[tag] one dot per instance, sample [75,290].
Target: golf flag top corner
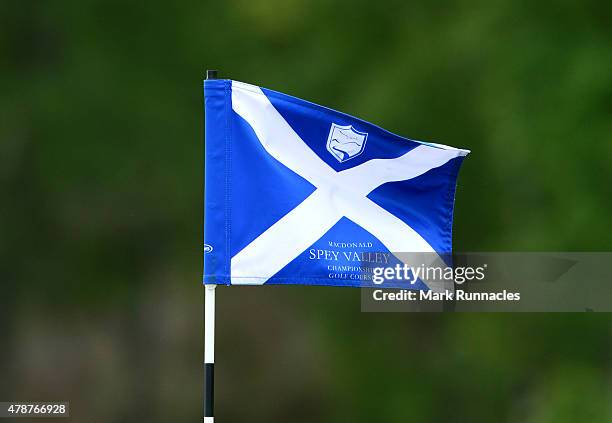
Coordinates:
[297,193]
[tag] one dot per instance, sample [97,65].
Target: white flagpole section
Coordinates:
[209,352]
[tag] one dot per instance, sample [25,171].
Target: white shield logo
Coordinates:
[344,143]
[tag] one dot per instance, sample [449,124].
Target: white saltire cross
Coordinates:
[337,194]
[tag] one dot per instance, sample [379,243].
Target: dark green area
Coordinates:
[100,220]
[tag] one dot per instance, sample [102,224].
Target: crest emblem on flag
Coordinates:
[344,142]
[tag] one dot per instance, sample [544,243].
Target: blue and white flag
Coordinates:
[296,193]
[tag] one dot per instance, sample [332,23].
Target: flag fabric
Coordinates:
[297,193]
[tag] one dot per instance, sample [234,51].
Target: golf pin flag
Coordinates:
[296,193]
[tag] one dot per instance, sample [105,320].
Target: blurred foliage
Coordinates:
[101,178]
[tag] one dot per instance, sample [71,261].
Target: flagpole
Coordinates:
[209,352]
[209,335]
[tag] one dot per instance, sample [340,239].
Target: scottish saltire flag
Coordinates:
[296,193]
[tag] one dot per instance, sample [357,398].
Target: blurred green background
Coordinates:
[101,167]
